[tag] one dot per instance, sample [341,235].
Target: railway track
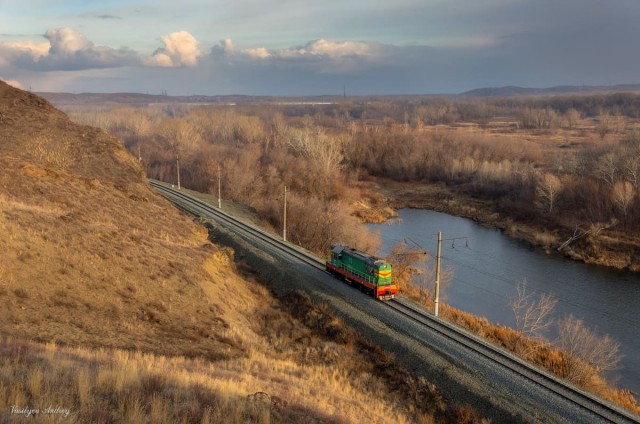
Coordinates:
[198,207]
[600,409]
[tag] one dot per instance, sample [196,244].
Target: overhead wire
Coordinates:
[499,263]
[600,312]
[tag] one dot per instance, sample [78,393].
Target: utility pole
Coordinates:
[284,226]
[178,170]
[437,300]
[219,189]
[438,257]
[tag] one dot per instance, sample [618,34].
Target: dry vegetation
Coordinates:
[575,158]
[116,307]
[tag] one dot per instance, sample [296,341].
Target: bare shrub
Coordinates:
[538,118]
[532,315]
[21,293]
[604,124]
[405,262]
[586,352]
[572,116]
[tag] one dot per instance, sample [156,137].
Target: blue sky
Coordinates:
[300,47]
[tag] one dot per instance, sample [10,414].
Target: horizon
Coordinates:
[561,89]
[304,48]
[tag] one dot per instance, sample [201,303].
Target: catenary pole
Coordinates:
[219,189]
[178,170]
[437,299]
[284,226]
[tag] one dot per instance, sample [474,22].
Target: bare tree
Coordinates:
[572,116]
[312,143]
[630,162]
[617,123]
[623,195]
[586,352]
[548,189]
[607,168]
[537,118]
[604,124]
[181,136]
[532,314]
[631,168]
[594,229]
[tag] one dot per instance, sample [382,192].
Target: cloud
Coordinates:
[180,49]
[67,49]
[66,42]
[257,53]
[11,52]
[331,49]
[332,57]
[322,56]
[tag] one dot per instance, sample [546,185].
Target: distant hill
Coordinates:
[513,91]
[139,99]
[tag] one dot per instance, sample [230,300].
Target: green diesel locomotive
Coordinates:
[368,272]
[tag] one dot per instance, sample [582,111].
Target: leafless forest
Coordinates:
[565,163]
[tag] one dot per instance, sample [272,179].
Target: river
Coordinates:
[487,266]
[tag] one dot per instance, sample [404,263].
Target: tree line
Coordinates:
[320,156]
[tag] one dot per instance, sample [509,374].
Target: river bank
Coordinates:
[588,243]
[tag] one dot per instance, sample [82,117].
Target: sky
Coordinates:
[302,47]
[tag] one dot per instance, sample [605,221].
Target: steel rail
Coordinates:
[597,406]
[198,205]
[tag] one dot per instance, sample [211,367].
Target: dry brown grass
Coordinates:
[92,255]
[111,385]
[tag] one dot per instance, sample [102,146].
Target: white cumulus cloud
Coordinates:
[257,53]
[14,51]
[180,49]
[323,56]
[331,49]
[66,49]
[66,42]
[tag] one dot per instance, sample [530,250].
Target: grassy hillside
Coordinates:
[114,307]
[91,255]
